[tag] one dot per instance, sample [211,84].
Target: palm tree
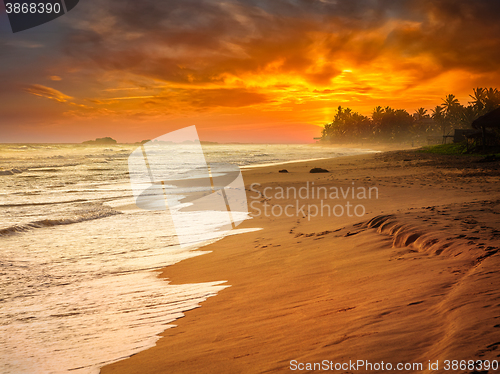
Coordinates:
[388,110]
[452,110]
[450,102]
[492,99]
[478,99]
[485,100]
[377,111]
[377,114]
[421,113]
[438,115]
[468,115]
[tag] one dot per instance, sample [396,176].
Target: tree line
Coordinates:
[388,124]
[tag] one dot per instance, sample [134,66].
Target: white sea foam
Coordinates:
[76,286]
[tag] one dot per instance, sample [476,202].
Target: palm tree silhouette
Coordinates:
[438,115]
[421,113]
[485,100]
[377,114]
[389,110]
[478,99]
[492,99]
[378,111]
[450,102]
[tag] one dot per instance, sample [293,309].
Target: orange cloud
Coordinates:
[47,92]
[266,62]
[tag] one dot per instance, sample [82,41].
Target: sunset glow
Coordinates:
[246,71]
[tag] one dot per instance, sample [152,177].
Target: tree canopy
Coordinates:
[389,124]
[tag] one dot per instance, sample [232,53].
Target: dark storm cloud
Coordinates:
[197,41]
[201,42]
[458,34]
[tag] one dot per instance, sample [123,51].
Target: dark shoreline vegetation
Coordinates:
[397,125]
[459,149]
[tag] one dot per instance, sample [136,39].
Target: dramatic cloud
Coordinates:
[309,42]
[148,59]
[47,92]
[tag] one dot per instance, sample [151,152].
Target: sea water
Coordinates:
[77,257]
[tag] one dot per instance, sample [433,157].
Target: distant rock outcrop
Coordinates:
[283,171]
[106,140]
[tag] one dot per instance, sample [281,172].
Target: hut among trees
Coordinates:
[489,126]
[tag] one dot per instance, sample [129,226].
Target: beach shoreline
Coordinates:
[415,285]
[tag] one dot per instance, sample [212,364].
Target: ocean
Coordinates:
[78,288]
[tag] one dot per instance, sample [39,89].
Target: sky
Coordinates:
[267,71]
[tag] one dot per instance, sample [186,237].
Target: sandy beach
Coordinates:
[414,280]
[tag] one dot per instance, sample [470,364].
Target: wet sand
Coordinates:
[414,279]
